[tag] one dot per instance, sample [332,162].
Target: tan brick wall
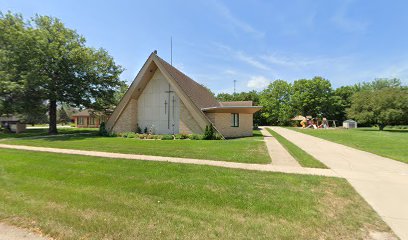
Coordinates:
[188,124]
[211,117]
[128,120]
[222,122]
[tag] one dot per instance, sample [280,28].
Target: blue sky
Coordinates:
[253,42]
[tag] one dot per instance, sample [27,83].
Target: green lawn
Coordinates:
[81,197]
[246,150]
[304,159]
[389,143]
[44,132]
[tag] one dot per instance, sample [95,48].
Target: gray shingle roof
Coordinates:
[83,113]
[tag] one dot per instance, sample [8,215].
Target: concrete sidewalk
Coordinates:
[381,181]
[279,155]
[246,166]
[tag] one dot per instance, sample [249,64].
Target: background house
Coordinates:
[89,119]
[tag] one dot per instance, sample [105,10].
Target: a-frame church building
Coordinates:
[166,101]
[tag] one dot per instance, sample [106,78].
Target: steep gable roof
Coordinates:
[198,94]
[197,99]
[193,95]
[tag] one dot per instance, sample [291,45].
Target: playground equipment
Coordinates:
[315,123]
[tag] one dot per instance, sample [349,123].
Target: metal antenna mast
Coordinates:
[235,81]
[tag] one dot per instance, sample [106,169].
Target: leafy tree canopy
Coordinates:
[341,100]
[386,106]
[275,100]
[380,83]
[42,60]
[312,97]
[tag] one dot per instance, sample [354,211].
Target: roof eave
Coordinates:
[232,109]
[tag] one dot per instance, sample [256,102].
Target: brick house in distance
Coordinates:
[89,119]
[165,100]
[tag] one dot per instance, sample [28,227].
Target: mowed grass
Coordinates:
[388,143]
[245,150]
[304,159]
[44,132]
[82,197]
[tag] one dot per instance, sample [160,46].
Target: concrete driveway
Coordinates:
[381,181]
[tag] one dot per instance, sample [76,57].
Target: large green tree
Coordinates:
[312,97]
[341,100]
[387,106]
[342,96]
[275,100]
[14,48]
[42,60]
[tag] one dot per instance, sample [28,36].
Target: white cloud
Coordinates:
[231,72]
[251,61]
[278,60]
[293,63]
[225,12]
[299,62]
[258,82]
[399,70]
[241,56]
[345,22]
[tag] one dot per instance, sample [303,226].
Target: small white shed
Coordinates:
[349,124]
[13,124]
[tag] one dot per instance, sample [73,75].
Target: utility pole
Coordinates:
[235,81]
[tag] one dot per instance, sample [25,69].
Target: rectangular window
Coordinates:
[234,120]
[80,121]
[92,121]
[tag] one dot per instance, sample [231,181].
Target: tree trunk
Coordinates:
[53,118]
[381,126]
